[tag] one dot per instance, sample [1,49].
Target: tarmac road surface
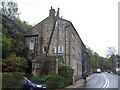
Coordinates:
[103,81]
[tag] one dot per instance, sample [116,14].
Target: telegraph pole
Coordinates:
[57,28]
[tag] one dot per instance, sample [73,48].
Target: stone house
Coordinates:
[71,50]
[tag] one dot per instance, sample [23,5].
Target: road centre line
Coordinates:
[106,82]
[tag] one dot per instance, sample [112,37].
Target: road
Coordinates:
[103,81]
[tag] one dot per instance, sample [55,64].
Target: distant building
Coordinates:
[71,49]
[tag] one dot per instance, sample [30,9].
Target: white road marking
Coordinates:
[106,82]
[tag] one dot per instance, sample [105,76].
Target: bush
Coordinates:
[14,64]
[23,64]
[11,64]
[43,79]
[60,80]
[52,81]
[66,72]
[55,81]
[12,80]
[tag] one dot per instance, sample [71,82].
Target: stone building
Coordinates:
[71,50]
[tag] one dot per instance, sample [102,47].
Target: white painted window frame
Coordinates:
[44,49]
[31,45]
[60,49]
[55,50]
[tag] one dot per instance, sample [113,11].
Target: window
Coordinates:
[31,46]
[37,65]
[60,49]
[44,49]
[77,69]
[56,24]
[78,56]
[73,52]
[73,36]
[55,50]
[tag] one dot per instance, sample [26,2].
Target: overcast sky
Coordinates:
[96,21]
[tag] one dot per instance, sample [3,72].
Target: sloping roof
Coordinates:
[36,25]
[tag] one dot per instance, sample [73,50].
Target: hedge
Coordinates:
[12,80]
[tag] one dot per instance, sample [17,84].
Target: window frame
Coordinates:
[44,49]
[60,49]
[31,45]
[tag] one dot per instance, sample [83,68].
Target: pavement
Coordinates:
[79,82]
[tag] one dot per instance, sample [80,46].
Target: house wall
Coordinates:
[73,47]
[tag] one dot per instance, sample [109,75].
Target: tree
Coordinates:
[23,24]
[9,9]
[110,55]
[110,51]
[6,44]
[94,59]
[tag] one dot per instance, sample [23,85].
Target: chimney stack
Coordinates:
[52,12]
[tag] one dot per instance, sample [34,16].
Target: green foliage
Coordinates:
[94,62]
[55,81]
[11,64]
[12,39]
[60,80]
[23,64]
[100,62]
[12,80]
[44,78]
[14,64]
[109,64]
[6,44]
[66,72]
[52,81]
[10,44]
[23,24]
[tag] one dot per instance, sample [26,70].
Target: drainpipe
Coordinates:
[65,42]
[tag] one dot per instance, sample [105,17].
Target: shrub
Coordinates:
[60,80]
[23,64]
[52,81]
[12,80]
[66,72]
[11,64]
[55,81]
[14,63]
[44,78]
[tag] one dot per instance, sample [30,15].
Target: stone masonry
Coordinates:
[70,46]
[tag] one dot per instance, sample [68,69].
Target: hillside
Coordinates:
[13,36]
